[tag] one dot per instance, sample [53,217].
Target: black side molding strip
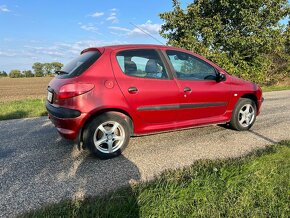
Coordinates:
[61,112]
[154,108]
[185,106]
[181,106]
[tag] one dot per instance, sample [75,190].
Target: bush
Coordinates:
[15,74]
[3,74]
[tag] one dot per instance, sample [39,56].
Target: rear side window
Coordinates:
[144,63]
[79,65]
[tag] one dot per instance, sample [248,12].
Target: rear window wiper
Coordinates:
[59,72]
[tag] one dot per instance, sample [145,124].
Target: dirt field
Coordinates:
[12,89]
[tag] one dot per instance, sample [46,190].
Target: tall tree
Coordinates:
[56,66]
[38,69]
[27,73]
[48,68]
[235,34]
[279,68]
[287,39]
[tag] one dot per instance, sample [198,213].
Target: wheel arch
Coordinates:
[252,97]
[117,111]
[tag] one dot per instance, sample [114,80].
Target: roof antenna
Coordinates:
[146,33]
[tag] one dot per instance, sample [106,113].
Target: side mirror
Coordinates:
[220,77]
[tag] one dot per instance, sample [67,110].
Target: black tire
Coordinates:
[99,134]
[241,120]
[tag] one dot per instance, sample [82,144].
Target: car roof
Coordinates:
[130,46]
[113,47]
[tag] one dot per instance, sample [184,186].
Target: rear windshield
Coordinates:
[79,65]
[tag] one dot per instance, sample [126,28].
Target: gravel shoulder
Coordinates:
[38,167]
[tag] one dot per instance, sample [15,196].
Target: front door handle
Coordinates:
[132,89]
[187,89]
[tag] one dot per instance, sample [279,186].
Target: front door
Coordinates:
[201,97]
[146,85]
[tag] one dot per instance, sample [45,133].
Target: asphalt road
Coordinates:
[37,167]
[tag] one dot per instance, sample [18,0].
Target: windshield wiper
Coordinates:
[59,72]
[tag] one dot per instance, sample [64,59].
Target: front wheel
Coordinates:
[107,136]
[244,114]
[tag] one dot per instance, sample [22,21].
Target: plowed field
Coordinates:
[12,89]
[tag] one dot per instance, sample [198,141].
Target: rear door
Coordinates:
[201,97]
[148,88]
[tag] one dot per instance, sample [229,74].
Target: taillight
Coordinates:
[72,90]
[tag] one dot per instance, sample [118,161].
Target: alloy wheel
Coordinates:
[246,115]
[109,136]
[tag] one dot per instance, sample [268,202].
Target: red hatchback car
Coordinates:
[110,93]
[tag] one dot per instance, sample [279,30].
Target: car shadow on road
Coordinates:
[92,177]
[14,115]
[38,167]
[263,137]
[227,126]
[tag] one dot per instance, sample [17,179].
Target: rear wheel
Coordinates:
[244,114]
[107,135]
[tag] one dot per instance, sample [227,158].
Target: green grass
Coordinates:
[257,185]
[275,88]
[22,109]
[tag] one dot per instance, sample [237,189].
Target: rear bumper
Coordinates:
[68,122]
[61,112]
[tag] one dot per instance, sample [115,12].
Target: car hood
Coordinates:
[238,81]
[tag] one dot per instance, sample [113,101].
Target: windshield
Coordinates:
[80,64]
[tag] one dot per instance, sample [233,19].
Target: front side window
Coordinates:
[80,64]
[189,67]
[144,63]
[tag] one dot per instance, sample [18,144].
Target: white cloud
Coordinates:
[97,14]
[3,8]
[114,19]
[113,9]
[113,16]
[89,27]
[116,34]
[74,48]
[148,27]
[8,53]
[50,51]
[119,28]
[62,50]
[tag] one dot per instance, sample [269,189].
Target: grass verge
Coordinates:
[253,186]
[22,109]
[275,88]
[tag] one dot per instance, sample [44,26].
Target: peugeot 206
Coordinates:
[108,94]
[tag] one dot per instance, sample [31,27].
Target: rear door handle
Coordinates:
[187,89]
[132,89]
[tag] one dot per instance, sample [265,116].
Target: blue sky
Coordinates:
[50,30]
[46,31]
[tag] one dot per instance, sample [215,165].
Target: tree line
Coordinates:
[39,70]
[246,38]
